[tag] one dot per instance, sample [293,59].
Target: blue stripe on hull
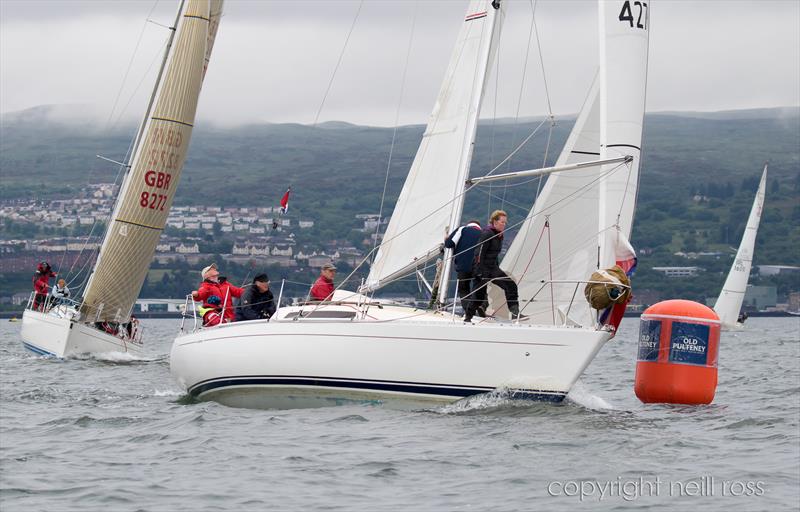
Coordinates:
[409,388]
[37,350]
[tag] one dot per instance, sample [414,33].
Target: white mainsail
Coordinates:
[431,201]
[729,302]
[150,184]
[579,212]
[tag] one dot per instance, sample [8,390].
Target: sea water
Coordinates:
[116,433]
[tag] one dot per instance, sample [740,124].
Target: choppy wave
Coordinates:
[116,433]
[580,394]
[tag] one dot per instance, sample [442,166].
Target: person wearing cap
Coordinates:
[257,301]
[323,287]
[213,284]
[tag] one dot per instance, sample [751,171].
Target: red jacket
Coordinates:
[41,282]
[322,289]
[225,291]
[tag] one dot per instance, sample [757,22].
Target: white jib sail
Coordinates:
[432,194]
[566,251]
[149,187]
[729,302]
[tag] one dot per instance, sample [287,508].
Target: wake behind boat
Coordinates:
[356,348]
[101,320]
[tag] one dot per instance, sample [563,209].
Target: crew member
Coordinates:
[463,241]
[487,268]
[214,284]
[257,301]
[41,282]
[323,287]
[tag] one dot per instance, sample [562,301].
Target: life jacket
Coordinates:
[211,316]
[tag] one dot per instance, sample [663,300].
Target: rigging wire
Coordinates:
[549,103]
[130,66]
[521,90]
[494,116]
[109,126]
[394,131]
[338,63]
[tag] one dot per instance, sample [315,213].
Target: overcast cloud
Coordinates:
[273,59]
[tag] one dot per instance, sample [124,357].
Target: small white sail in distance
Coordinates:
[730,299]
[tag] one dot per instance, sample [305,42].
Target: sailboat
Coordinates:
[357,348]
[101,320]
[729,302]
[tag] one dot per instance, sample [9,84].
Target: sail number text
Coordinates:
[164,156]
[639,11]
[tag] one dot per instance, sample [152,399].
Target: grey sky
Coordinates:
[273,59]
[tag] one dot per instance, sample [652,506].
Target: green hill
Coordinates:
[337,170]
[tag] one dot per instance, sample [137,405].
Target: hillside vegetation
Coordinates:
[699,176]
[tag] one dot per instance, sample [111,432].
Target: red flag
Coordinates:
[285,201]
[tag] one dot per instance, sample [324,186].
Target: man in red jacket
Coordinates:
[212,285]
[323,287]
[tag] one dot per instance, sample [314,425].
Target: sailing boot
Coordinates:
[514,309]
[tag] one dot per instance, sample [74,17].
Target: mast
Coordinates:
[472,127]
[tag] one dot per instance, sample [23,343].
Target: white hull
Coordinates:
[431,358]
[50,334]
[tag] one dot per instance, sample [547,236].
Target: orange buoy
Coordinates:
[678,348]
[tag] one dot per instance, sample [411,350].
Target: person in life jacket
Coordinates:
[60,292]
[213,284]
[211,311]
[41,282]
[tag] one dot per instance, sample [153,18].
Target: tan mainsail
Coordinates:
[149,188]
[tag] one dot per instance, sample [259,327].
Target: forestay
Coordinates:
[729,302]
[431,200]
[588,209]
[149,187]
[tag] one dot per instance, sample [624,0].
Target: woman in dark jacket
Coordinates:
[487,267]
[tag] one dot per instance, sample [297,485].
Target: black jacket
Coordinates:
[464,250]
[254,304]
[491,243]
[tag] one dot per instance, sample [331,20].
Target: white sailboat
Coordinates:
[729,302]
[101,320]
[356,348]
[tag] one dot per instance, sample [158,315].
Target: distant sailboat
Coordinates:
[357,348]
[729,302]
[101,321]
